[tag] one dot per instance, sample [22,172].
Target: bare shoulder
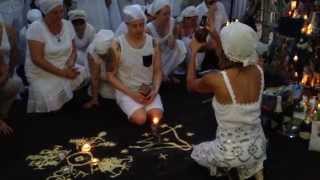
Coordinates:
[212,79]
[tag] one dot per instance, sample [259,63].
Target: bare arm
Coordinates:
[37,57]
[157,71]
[111,73]
[95,77]
[201,85]
[73,57]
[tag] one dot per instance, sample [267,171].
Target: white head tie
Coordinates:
[157,5]
[77,14]
[47,5]
[102,41]
[33,15]
[132,13]
[239,43]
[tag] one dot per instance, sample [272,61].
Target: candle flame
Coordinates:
[155,120]
[305,17]
[293,5]
[86,147]
[295,58]
[296,74]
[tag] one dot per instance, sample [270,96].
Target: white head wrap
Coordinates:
[157,5]
[47,5]
[33,15]
[239,43]
[102,41]
[77,14]
[190,11]
[132,13]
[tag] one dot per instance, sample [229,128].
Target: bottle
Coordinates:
[202,33]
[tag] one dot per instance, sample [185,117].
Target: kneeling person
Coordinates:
[136,73]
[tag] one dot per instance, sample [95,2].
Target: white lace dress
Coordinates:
[240,141]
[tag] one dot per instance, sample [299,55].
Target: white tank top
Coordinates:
[135,67]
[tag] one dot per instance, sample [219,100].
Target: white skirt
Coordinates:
[51,93]
[241,148]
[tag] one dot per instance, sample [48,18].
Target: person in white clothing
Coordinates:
[84,33]
[102,14]
[240,141]
[32,15]
[217,11]
[10,83]
[100,55]
[136,73]
[173,51]
[50,66]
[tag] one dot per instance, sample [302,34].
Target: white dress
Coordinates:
[12,12]
[82,44]
[105,89]
[99,15]
[221,16]
[48,92]
[240,141]
[170,58]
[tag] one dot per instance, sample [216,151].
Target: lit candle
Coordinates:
[237,20]
[228,23]
[290,13]
[305,17]
[154,128]
[296,74]
[86,148]
[295,58]
[95,161]
[293,5]
[309,29]
[295,14]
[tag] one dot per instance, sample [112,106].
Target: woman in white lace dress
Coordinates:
[240,141]
[50,66]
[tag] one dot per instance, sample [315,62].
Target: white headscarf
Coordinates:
[239,43]
[190,11]
[47,5]
[132,13]
[77,14]
[157,5]
[33,15]
[102,41]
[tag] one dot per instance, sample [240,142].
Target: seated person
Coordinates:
[162,28]
[50,66]
[10,83]
[136,73]
[84,33]
[240,141]
[100,56]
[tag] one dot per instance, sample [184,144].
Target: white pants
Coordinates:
[129,106]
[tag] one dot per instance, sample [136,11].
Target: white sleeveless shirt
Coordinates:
[132,72]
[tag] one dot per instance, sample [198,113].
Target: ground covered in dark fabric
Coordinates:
[288,159]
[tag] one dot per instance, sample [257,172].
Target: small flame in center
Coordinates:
[155,120]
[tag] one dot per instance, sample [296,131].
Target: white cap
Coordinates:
[239,43]
[102,41]
[157,5]
[132,13]
[77,14]
[33,15]
[190,11]
[47,5]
